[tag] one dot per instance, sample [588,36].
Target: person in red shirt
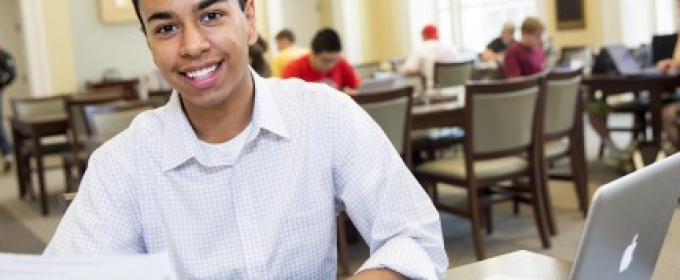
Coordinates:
[526,56]
[325,64]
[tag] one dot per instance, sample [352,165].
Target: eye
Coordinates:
[166,29]
[211,16]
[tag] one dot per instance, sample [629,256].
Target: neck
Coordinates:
[223,122]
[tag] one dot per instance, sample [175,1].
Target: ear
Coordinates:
[251,24]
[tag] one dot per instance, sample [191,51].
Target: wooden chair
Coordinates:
[129,86]
[65,199]
[107,120]
[35,108]
[503,126]
[391,109]
[81,132]
[366,70]
[160,97]
[563,136]
[451,74]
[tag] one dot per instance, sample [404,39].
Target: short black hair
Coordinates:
[326,40]
[139,15]
[287,34]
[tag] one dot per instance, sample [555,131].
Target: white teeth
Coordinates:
[202,73]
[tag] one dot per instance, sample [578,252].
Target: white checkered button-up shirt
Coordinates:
[267,213]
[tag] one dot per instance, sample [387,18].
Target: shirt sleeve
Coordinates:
[412,62]
[101,220]
[385,202]
[350,76]
[511,67]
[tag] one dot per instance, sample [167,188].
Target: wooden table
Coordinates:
[34,129]
[656,85]
[437,114]
[515,264]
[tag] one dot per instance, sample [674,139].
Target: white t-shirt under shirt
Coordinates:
[423,59]
[231,149]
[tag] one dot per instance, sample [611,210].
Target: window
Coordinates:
[468,24]
[481,20]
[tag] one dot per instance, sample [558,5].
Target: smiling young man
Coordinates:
[239,177]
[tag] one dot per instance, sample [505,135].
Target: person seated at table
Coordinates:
[526,56]
[288,51]
[257,60]
[421,60]
[242,177]
[495,49]
[325,64]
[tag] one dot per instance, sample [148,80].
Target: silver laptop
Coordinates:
[627,224]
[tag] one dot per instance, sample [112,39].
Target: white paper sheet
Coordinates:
[33,267]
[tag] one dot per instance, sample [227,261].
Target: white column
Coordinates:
[36,47]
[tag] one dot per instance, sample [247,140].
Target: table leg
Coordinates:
[41,175]
[655,107]
[19,160]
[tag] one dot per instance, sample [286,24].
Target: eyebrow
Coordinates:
[167,15]
[159,16]
[207,3]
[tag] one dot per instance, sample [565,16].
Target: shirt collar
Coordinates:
[183,143]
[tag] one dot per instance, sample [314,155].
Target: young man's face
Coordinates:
[201,46]
[324,61]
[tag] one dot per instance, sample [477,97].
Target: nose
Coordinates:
[194,42]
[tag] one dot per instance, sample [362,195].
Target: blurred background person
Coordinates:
[421,60]
[325,64]
[496,48]
[257,60]
[7,75]
[526,56]
[288,51]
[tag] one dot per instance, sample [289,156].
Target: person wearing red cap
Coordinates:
[421,61]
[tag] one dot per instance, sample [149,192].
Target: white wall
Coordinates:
[300,16]
[98,47]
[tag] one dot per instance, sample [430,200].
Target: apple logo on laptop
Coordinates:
[628,255]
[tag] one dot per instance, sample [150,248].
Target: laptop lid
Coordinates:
[627,224]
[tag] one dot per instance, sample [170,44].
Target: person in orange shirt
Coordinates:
[288,51]
[325,64]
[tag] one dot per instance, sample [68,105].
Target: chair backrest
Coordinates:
[160,97]
[501,116]
[129,86]
[451,74]
[38,106]
[75,105]
[562,93]
[109,119]
[366,70]
[391,109]
[415,80]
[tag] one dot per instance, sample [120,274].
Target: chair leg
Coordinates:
[544,189]
[476,222]
[343,247]
[41,179]
[538,204]
[579,171]
[600,153]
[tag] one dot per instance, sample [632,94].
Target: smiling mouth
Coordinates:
[201,73]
